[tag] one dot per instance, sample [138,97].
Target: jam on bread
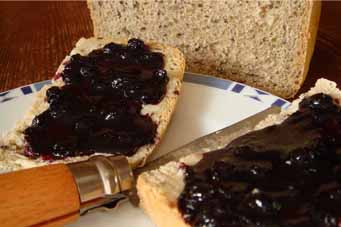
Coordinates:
[283,175]
[98,110]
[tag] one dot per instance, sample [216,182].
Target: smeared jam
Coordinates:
[283,175]
[99,107]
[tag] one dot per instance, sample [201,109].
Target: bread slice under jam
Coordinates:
[14,144]
[170,194]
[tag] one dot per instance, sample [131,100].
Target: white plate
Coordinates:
[206,104]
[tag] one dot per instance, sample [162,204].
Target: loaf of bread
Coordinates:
[159,189]
[12,144]
[266,44]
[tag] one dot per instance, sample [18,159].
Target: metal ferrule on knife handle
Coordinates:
[100,179]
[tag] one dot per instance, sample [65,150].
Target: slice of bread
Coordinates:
[159,189]
[266,44]
[12,144]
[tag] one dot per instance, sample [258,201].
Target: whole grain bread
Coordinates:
[266,44]
[12,143]
[159,189]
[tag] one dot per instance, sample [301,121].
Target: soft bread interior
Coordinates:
[12,143]
[267,44]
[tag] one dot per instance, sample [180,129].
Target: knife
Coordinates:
[55,195]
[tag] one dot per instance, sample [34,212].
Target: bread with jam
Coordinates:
[111,97]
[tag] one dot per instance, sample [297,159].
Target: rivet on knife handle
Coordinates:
[100,179]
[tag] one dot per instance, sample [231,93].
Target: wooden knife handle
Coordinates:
[43,196]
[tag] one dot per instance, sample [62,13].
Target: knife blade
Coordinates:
[212,141]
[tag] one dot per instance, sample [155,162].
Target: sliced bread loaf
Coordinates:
[159,190]
[13,143]
[266,44]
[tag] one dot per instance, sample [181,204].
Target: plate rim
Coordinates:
[189,77]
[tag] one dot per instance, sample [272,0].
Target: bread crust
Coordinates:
[159,189]
[11,157]
[311,38]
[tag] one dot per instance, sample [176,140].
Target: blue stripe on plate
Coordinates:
[238,88]
[208,81]
[41,84]
[26,90]
[279,103]
[261,92]
[4,93]
[6,99]
[254,97]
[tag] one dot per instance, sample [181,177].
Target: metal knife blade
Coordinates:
[212,141]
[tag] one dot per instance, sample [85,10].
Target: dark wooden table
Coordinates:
[35,37]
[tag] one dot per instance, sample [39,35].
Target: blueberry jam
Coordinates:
[98,108]
[283,175]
